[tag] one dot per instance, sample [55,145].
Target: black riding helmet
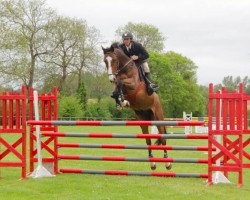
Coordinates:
[127,35]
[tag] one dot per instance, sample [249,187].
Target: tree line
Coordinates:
[42,49]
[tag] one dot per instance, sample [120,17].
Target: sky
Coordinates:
[214,34]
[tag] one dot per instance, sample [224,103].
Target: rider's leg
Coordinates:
[147,75]
[146,70]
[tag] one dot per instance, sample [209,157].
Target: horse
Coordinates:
[124,75]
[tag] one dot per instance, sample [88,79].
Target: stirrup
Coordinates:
[154,86]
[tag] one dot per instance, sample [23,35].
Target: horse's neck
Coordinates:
[123,59]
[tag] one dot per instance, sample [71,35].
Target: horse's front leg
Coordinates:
[115,95]
[121,99]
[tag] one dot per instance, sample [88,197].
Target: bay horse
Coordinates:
[124,74]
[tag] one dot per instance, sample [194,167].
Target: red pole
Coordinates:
[225,122]
[24,131]
[210,136]
[31,113]
[43,108]
[11,111]
[4,112]
[55,130]
[240,111]
[18,112]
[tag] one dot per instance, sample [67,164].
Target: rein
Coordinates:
[119,71]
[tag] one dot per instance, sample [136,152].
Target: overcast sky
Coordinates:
[215,34]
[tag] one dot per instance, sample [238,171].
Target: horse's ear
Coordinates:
[103,49]
[115,45]
[112,48]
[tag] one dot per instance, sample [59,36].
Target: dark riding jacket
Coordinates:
[138,50]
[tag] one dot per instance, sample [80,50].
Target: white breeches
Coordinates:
[145,67]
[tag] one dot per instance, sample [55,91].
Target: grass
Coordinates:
[80,186]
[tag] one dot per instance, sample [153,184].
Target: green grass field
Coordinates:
[80,186]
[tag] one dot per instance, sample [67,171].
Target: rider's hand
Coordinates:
[134,57]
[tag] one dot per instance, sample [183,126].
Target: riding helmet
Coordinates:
[127,35]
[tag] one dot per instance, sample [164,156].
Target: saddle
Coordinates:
[151,88]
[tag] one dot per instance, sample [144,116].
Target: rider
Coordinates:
[138,54]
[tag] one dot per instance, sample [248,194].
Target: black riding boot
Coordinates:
[151,87]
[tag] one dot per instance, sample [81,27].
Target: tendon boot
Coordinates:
[115,95]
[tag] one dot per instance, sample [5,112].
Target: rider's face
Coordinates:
[127,41]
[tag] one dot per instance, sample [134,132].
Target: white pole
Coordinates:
[218,137]
[40,171]
[219,177]
[38,135]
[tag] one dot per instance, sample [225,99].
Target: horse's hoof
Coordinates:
[153,166]
[168,166]
[125,103]
[118,107]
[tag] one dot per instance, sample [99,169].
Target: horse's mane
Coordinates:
[115,45]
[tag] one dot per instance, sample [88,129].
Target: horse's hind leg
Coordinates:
[168,165]
[148,142]
[146,115]
[162,130]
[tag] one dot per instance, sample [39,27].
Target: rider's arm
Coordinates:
[143,54]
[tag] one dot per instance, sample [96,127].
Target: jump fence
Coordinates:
[227,117]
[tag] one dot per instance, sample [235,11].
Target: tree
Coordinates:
[182,65]
[69,106]
[82,96]
[232,83]
[87,55]
[176,77]
[73,50]
[24,27]
[64,38]
[148,35]
[97,85]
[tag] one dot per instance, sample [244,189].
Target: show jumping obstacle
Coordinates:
[13,124]
[231,113]
[123,146]
[116,123]
[228,109]
[110,135]
[230,150]
[131,173]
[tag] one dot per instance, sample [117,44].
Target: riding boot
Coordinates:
[151,87]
